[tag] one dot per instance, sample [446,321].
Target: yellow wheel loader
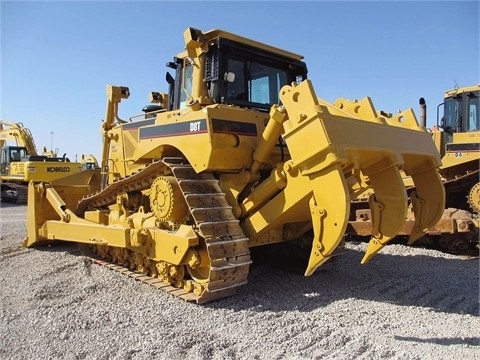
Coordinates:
[239,154]
[457,138]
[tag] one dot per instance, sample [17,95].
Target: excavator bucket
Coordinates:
[325,140]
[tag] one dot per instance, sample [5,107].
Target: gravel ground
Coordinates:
[407,303]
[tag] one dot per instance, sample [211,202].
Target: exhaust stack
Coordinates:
[423,112]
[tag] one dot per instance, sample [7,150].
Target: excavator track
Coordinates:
[19,196]
[212,218]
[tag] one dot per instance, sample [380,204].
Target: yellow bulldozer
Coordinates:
[239,154]
[456,136]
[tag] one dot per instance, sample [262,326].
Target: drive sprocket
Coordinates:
[166,199]
[474,198]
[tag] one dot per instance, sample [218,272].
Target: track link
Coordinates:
[458,188]
[220,231]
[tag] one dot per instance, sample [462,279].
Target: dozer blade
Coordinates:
[428,199]
[329,214]
[53,201]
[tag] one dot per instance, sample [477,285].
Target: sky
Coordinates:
[57,57]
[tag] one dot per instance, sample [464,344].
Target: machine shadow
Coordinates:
[405,280]
[474,341]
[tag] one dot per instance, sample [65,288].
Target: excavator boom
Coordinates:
[19,134]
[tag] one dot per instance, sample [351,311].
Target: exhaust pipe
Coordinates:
[423,112]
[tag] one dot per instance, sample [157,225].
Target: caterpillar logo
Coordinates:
[58,169]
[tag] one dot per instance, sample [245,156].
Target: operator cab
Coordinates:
[461,112]
[238,73]
[9,154]
[12,153]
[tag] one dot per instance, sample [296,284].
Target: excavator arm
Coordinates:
[18,133]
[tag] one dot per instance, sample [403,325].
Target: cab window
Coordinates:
[187,79]
[473,114]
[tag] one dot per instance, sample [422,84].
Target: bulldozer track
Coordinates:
[146,279]
[463,244]
[213,220]
[462,181]
[458,188]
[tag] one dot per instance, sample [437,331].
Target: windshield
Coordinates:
[473,123]
[239,74]
[186,81]
[450,114]
[17,153]
[255,82]
[461,113]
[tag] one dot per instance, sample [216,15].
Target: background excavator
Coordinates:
[457,137]
[239,154]
[21,163]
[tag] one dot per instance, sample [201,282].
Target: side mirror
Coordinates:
[229,77]
[169,78]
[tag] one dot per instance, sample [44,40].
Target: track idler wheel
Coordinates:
[199,266]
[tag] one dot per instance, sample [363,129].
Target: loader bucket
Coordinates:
[324,139]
